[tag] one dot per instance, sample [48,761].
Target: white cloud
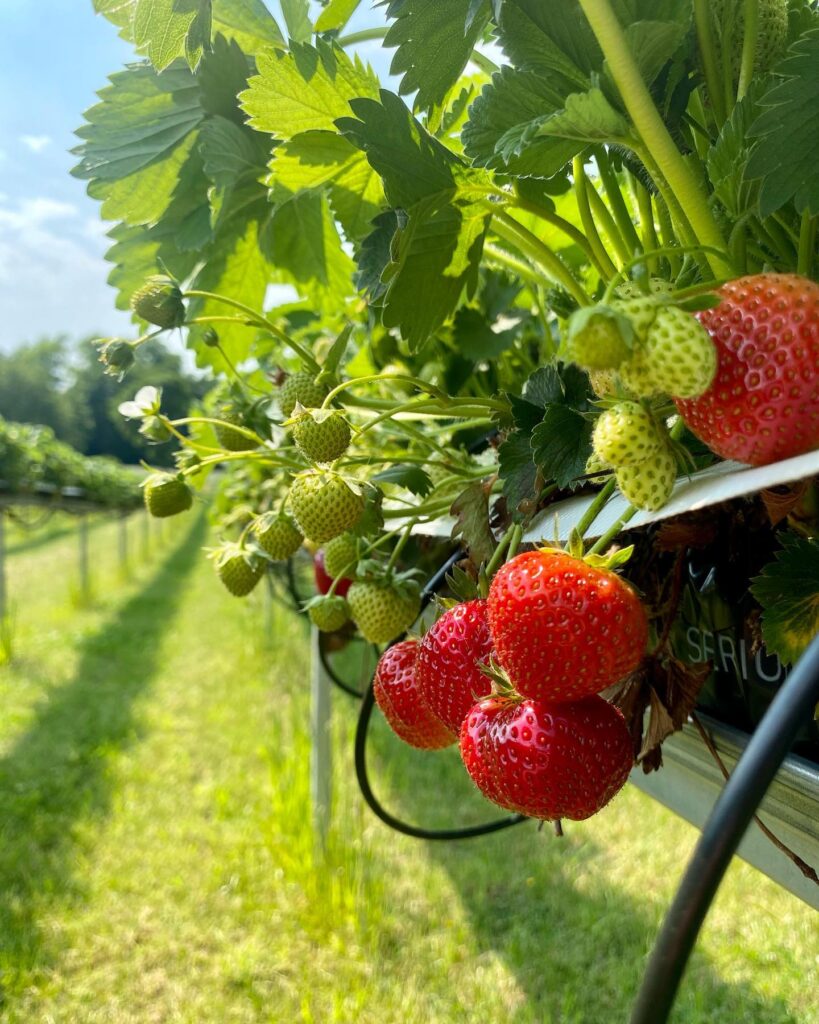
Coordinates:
[36,143]
[52,274]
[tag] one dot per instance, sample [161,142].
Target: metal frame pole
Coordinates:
[321,781]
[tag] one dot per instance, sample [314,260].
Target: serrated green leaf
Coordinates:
[501,132]
[141,116]
[411,162]
[554,40]
[728,157]
[301,240]
[236,268]
[654,43]
[411,478]
[561,444]
[221,76]
[297,18]
[784,157]
[438,254]
[374,256]
[229,152]
[586,117]
[788,590]
[434,42]
[119,13]
[167,29]
[517,468]
[336,15]
[249,22]
[471,509]
[314,160]
[304,90]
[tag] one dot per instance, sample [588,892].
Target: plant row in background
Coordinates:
[587,264]
[34,464]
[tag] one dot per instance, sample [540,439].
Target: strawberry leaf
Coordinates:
[434,42]
[562,444]
[517,468]
[788,590]
[411,478]
[471,509]
[336,15]
[167,29]
[784,158]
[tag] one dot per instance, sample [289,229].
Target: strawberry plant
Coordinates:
[579,259]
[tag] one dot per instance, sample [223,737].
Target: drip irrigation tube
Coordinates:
[332,675]
[378,809]
[722,834]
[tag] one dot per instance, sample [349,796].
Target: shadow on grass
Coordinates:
[56,777]
[578,950]
[39,537]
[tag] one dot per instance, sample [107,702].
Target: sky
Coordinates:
[54,56]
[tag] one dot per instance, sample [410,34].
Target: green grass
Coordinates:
[157,863]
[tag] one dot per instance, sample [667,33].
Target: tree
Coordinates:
[33,381]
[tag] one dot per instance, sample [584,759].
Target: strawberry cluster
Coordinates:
[516,678]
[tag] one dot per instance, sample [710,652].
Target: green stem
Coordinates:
[509,262]
[607,223]
[249,434]
[514,542]
[568,229]
[600,545]
[708,57]
[644,205]
[530,245]
[260,321]
[399,547]
[429,511]
[617,202]
[653,132]
[807,244]
[669,239]
[416,382]
[497,555]
[581,188]
[595,507]
[366,35]
[749,44]
[621,274]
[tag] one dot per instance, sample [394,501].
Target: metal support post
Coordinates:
[320,746]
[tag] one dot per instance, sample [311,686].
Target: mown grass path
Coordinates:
[156,861]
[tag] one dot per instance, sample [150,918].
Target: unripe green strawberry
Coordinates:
[302,388]
[229,438]
[278,535]
[238,568]
[772,31]
[324,505]
[641,313]
[323,436]
[117,356]
[381,611]
[166,495]
[626,434]
[632,290]
[594,464]
[677,357]
[597,338]
[649,484]
[341,554]
[329,614]
[159,301]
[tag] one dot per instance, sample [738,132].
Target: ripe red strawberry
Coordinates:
[562,628]
[544,760]
[764,402]
[324,580]
[399,696]
[449,659]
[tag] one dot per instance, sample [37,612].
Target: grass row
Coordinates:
[157,862]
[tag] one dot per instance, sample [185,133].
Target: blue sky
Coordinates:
[54,56]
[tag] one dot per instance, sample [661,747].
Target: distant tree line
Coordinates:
[60,383]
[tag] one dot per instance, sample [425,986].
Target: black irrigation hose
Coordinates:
[361,732]
[332,675]
[722,834]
